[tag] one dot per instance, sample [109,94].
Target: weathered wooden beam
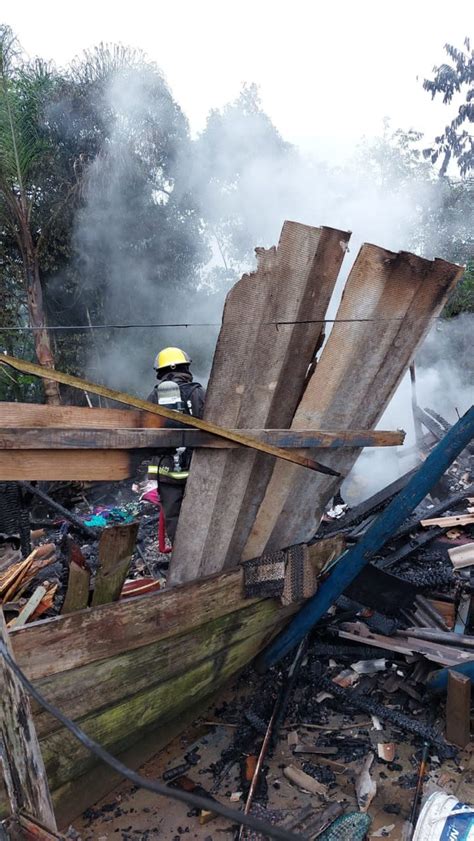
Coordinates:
[77,593]
[430,423]
[64,643]
[117,727]
[124,439]
[449,522]
[61,465]
[149,658]
[116,547]
[458,709]
[74,417]
[20,755]
[387,308]
[162,411]
[272,326]
[134,671]
[71,799]
[29,608]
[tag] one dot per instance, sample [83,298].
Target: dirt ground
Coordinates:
[128,813]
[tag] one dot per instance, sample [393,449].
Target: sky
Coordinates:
[329,73]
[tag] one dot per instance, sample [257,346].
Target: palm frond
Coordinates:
[23,89]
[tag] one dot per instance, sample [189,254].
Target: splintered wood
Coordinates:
[272,328]
[23,768]
[116,547]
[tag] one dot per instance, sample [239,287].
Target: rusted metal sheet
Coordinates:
[387,307]
[271,330]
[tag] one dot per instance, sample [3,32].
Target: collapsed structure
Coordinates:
[284,422]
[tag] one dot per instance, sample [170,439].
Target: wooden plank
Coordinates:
[67,642]
[23,766]
[58,465]
[458,709]
[77,593]
[158,692]
[39,415]
[107,682]
[53,438]
[388,306]
[158,409]
[443,655]
[71,799]
[117,699]
[30,606]
[449,522]
[55,645]
[256,380]
[430,423]
[116,547]
[118,726]
[356,558]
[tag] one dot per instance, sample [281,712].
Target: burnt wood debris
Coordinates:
[323,653]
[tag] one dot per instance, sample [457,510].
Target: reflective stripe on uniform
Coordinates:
[181,474]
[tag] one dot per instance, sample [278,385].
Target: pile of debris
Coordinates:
[355,744]
[342,741]
[70,527]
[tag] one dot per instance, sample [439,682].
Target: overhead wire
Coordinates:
[187,325]
[193,800]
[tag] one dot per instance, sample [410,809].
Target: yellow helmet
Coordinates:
[169,357]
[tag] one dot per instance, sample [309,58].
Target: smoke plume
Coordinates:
[209,203]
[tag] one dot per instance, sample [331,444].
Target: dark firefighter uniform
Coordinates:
[172,366]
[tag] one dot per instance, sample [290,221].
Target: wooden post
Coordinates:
[116,547]
[20,755]
[458,709]
[414,408]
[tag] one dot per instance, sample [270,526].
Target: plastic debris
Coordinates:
[351,827]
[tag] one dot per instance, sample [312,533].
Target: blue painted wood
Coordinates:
[438,682]
[350,564]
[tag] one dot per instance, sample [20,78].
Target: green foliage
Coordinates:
[231,154]
[132,221]
[462,299]
[134,243]
[19,141]
[449,80]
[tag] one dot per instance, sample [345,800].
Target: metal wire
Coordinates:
[89,327]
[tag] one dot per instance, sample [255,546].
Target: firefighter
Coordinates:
[176,390]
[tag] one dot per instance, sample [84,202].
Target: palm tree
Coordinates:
[23,148]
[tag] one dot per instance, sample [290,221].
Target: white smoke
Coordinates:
[444,383]
[247,181]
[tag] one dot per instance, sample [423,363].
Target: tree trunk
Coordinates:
[34,292]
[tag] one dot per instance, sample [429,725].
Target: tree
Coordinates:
[23,147]
[437,212]
[237,155]
[132,250]
[451,79]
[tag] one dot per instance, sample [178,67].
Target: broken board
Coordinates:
[388,305]
[272,326]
